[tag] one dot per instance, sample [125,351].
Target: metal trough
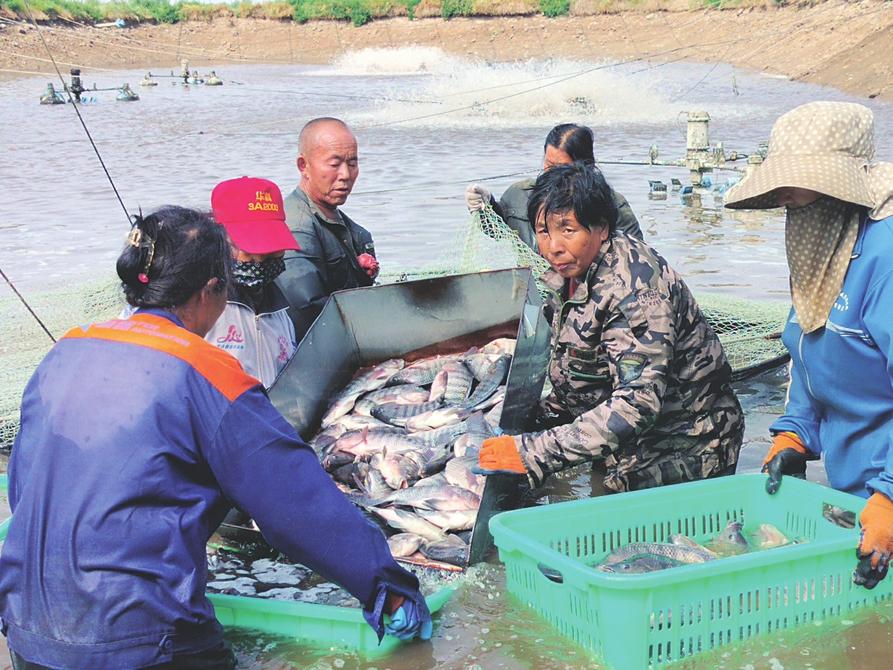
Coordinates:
[360,327]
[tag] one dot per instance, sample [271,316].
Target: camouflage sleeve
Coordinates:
[638,339]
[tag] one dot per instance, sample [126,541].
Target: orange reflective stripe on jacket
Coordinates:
[221,370]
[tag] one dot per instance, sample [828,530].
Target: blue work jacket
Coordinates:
[136,438]
[840,401]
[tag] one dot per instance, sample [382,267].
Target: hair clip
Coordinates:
[135,238]
[143,277]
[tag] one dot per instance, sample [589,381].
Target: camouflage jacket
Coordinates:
[638,375]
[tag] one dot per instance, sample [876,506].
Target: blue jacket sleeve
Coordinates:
[876,311]
[268,472]
[800,415]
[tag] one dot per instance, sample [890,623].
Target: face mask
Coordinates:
[254,273]
[819,240]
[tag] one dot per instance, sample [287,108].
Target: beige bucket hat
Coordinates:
[827,147]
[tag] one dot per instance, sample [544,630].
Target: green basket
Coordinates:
[318,626]
[649,620]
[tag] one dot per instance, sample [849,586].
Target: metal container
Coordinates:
[361,327]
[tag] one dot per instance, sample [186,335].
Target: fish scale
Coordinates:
[458,383]
[421,372]
[445,498]
[490,383]
[402,394]
[398,414]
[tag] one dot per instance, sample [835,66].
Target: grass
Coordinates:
[357,12]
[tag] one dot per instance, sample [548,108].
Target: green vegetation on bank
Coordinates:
[358,12]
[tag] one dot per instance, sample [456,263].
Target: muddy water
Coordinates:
[428,124]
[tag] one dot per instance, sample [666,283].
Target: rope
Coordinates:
[25,303]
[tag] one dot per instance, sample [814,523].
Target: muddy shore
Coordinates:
[846,45]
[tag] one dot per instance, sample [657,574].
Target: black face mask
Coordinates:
[254,274]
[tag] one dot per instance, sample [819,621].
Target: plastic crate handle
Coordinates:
[838,515]
[551,574]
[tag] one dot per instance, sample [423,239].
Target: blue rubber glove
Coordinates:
[411,620]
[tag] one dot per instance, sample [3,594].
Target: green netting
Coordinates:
[23,343]
[749,329]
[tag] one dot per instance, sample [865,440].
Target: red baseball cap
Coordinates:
[252,212]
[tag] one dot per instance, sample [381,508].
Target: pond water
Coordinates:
[428,123]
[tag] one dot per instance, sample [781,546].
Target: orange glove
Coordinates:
[499,455]
[781,442]
[876,542]
[787,456]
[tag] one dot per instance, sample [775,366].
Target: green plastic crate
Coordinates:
[322,626]
[649,620]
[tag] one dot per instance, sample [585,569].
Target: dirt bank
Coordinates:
[842,44]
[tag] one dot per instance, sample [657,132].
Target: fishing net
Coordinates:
[750,330]
[23,343]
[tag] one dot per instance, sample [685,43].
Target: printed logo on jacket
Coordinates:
[233,340]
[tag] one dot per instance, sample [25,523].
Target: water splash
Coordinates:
[474,92]
[407,60]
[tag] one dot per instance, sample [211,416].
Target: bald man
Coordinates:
[336,252]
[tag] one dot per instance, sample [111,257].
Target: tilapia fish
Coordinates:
[449,549]
[768,536]
[438,387]
[839,516]
[363,383]
[399,470]
[409,522]
[641,563]
[404,394]
[458,382]
[502,345]
[436,418]
[458,473]
[492,380]
[441,436]
[369,441]
[445,498]
[404,544]
[423,372]
[683,554]
[730,540]
[398,414]
[454,520]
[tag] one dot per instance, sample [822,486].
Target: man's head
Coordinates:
[328,163]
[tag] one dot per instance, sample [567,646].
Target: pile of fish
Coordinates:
[639,557]
[279,579]
[400,441]
[266,578]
